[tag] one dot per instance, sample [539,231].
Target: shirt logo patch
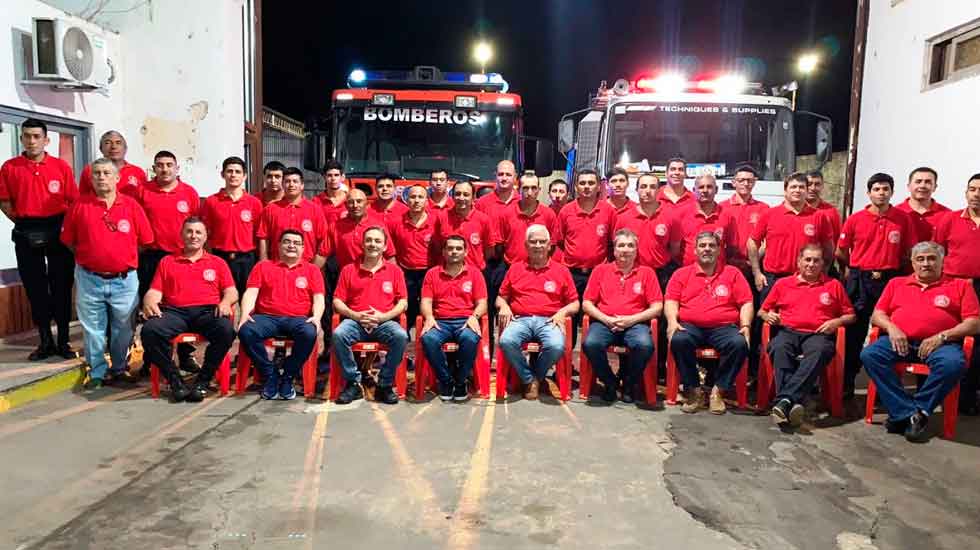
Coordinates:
[427,238]
[941,301]
[246,216]
[468,287]
[307,226]
[638,288]
[183,207]
[825,298]
[550,286]
[210,275]
[301,282]
[132,181]
[600,230]
[387,287]
[474,239]
[661,230]
[754,218]
[721,291]
[809,230]
[123,226]
[54,186]
[894,237]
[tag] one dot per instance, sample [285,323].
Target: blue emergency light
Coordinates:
[425,77]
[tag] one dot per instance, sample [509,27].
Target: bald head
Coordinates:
[356,204]
[506,172]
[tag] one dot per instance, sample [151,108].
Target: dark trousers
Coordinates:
[636,338]
[863,289]
[331,273]
[726,340]
[413,283]
[946,366]
[663,277]
[159,331]
[240,264]
[47,273]
[451,330]
[794,376]
[149,260]
[252,337]
[493,275]
[581,278]
[971,380]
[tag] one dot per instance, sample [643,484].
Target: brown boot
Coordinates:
[532,389]
[716,401]
[694,400]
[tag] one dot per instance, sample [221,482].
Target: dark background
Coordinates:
[555,52]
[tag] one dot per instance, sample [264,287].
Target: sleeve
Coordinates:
[315,277]
[505,287]
[255,277]
[389,243]
[910,233]
[742,293]
[592,287]
[343,284]
[551,222]
[674,287]
[144,232]
[68,227]
[846,308]
[887,296]
[759,232]
[653,293]
[731,233]
[772,299]
[846,234]
[427,284]
[835,223]
[71,188]
[968,304]
[941,235]
[568,292]
[207,214]
[479,287]
[560,222]
[826,230]
[401,291]
[5,176]
[161,273]
[85,181]
[324,235]
[225,279]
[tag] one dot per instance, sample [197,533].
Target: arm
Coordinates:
[830,326]
[428,316]
[151,303]
[319,261]
[473,321]
[248,305]
[900,342]
[263,249]
[966,327]
[745,314]
[559,317]
[319,304]
[595,313]
[504,314]
[753,249]
[671,310]
[8,210]
[394,312]
[770,317]
[341,309]
[228,298]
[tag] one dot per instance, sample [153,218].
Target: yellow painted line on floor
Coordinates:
[422,411]
[41,389]
[320,432]
[463,533]
[469,419]
[313,449]
[571,415]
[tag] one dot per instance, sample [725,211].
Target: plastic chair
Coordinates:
[425,377]
[507,376]
[586,377]
[831,381]
[223,374]
[951,403]
[337,383]
[673,377]
[245,366]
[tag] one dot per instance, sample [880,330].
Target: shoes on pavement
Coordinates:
[350,394]
[796,415]
[460,392]
[270,388]
[178,389]
[42,352]
[65,351]
[780,412]
[197,393]
[532,390]
[917,430]
[446,391]
[287,390]
[93,384]
[897,427]
[630,391]
[387,395]
[609,393]
[716,402]
[694,400]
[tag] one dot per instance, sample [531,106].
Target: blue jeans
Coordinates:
[451,330]
[946,365]
[726,340]
[522,330]
[253,334]
[99,302]
[389,333]
[637,338]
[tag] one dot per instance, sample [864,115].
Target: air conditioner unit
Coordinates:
[66,55]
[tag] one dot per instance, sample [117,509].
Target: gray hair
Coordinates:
[707,235]
[102,161]
[113,133]
[810,246]
[627,233]
[925,246]
[708,176]
[535,228]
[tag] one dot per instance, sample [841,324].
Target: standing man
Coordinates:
[674,195]
[874,244]
[923,211]
[746,211]
[113,146]
[473,225]
[495,206]
[272,175]
[232,218]
[333,200]
[558,195]
[814,191]
[104,231]
[348,231]
[654,228]
[618,182]
[297,213]
[412,238]
[192,291]
[36,190]
[439,197]
[386,206]
[526,212]
[704,214]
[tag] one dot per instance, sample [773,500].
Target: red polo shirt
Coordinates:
[362,290]
[413,243]
[692,220]
[924,224]
[960,237]
[185,282]
[331,212]
[491,205]
[832,215]
[655,232]
[877,242]
[804,306]
[746,215]
[513,229]
[538,291]
[922,312]
[627,206]
[479,232]
[232,224]
[453,297]
[305,217]
[785,232]
[106,239]
[585,236]
[684,201]
[285,291]
[131,178]
[708,302]
[615,293]
[348,237]
[264,197]
[167,211]
[394,210]
[37,189]
[434,208]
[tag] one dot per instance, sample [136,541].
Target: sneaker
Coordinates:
[179,390]
[629,394]
[387,395]
[694,400]
[350,394]
[65,351]
[780,412]
[716,402]
[445,391]
[896,427]
[197,393]
[609,393]
[796,415]
[270,389]
[918,424]
[532,389]
[93,384]
[287,393]
[461,392]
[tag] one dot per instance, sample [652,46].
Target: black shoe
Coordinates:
[897,427]
[197,393]
[916,432]
[387,395]
[780,412]
[189,364]
[461,392]
[629,394]
[609,393]
[446,391]
[350,394]
[93,384]
[178,390]
[42,352]
[65,351]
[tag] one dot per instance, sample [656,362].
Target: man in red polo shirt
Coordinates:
[618,181]
[284,298]
[708,304]
[959,234]
[653,226]
[272,174]
[333,200]
[412,236]
[495,206]
[808,308]
[537,295]
[923,211]
[523,214]
[192,291]
[746,211]
[704,215]
[104,230]
[471,224]
[113,146]
[36,189]
[386,206]
[298,213]
[674,195]
[348,231]
[925,316]
[454,297]
[621,299]
[814,191]
[439,196]
[874,245]
[370,297]
[232,217]
[557,195]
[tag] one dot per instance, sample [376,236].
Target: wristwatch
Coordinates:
[943,337]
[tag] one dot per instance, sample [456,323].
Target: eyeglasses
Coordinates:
[110,225]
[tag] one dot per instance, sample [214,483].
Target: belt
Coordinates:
[117,275]
[231,255]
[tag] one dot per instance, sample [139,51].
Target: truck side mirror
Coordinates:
[544,157]
[825,131]
[566,135]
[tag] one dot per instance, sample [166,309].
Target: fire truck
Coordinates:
[410,122]
[716,123]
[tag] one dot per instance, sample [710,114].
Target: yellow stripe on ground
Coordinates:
[463,531]
[41,389]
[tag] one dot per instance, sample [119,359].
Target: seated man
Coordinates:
[925,315]
[536,297]
[283,298]
[809,306]
[708,305]
[196,292]
[454,297]
[621,299]
[370,296]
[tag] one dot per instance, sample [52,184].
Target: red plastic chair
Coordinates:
[425,377]
[507,377]
[650,373]
[831,381]
[337,383]
[951,403]
[673,377]
[245,367]
[224,370]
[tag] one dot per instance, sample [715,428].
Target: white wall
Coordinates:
[903,127]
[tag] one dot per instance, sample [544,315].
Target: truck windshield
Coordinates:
[710,136]
[413,141]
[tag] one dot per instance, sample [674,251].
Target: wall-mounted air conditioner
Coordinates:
[68,56]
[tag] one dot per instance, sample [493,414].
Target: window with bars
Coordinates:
[953,55]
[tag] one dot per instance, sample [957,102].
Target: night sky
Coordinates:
[555,52]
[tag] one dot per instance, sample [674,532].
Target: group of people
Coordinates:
[713,272]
